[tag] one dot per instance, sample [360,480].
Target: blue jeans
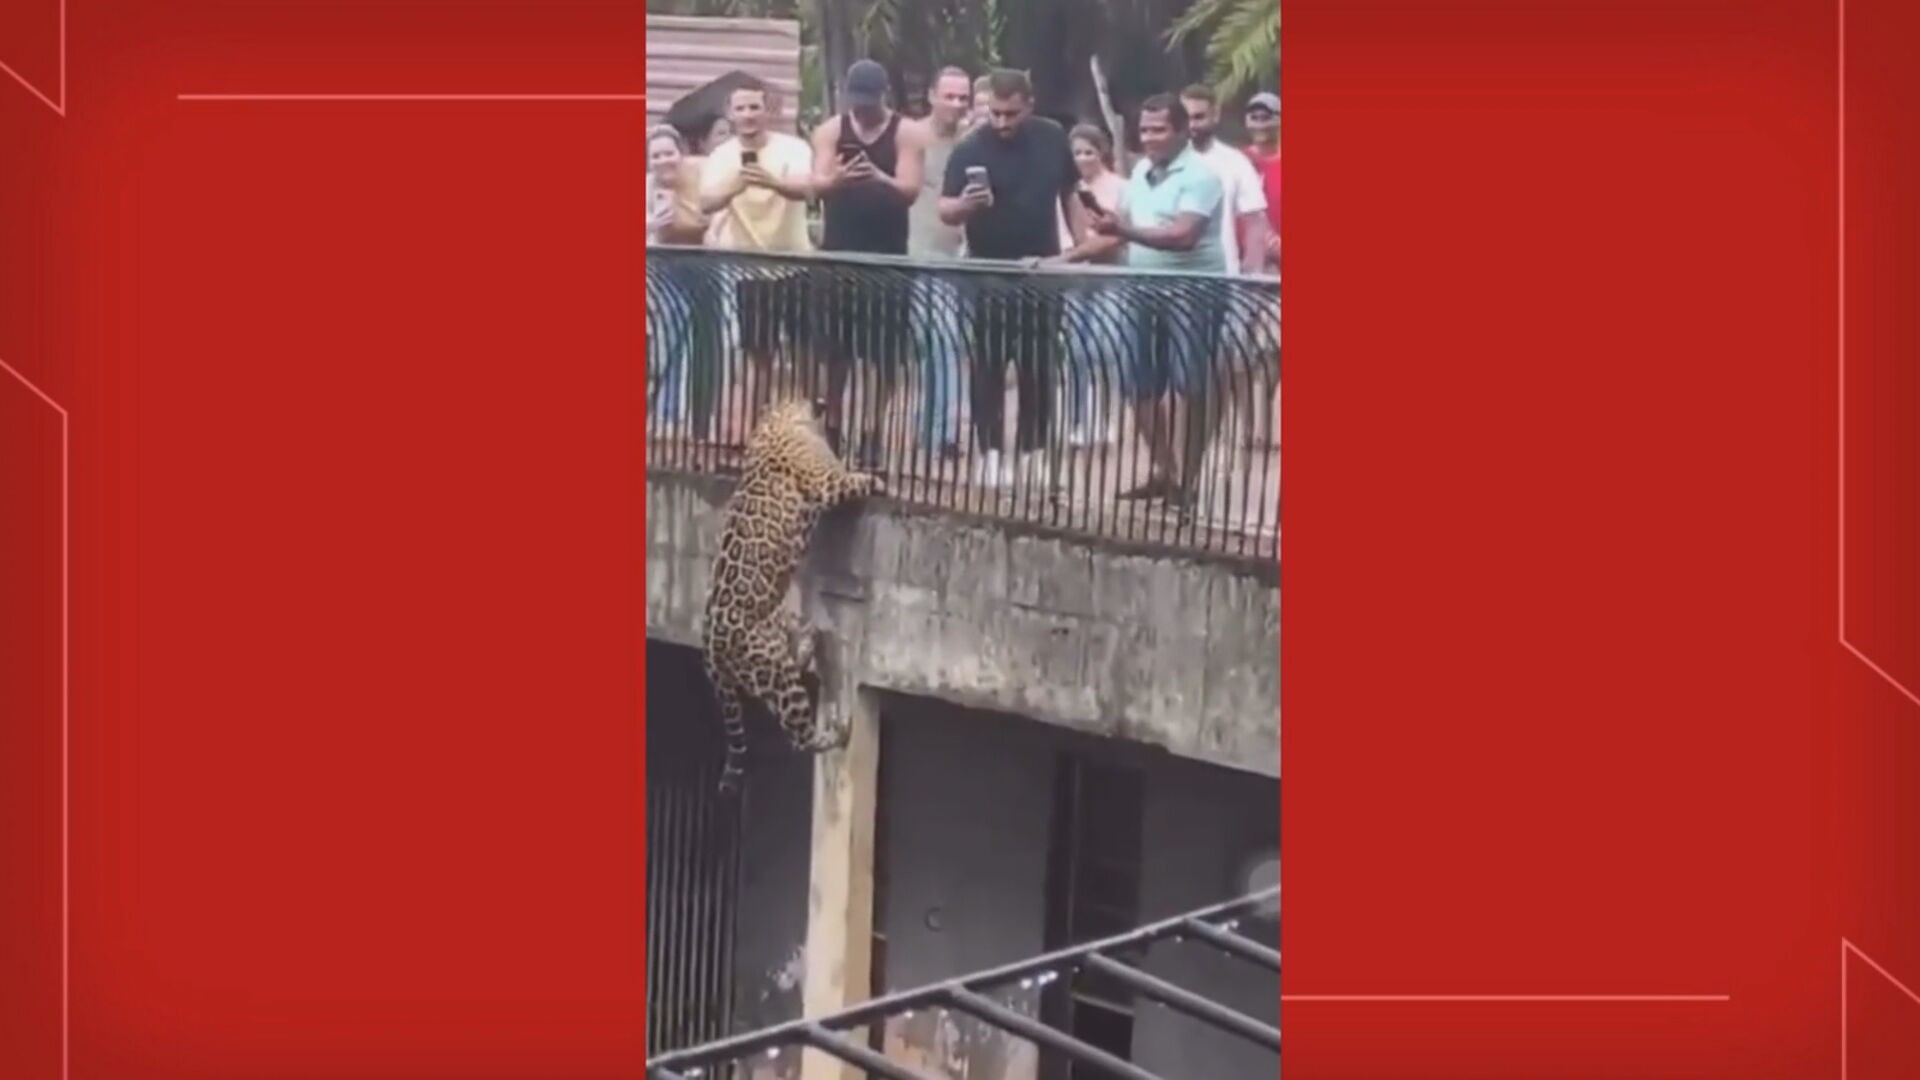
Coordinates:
[670,317]
[940,338]
[1101,334]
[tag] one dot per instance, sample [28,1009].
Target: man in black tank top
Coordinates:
[867,166]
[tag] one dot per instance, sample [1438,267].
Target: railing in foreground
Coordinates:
[1138,406]
[1213,927]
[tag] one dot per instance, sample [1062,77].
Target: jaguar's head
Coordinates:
[798,412]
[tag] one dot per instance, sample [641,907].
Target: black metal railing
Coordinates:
[693,858]
[1214,927]
[1140,406]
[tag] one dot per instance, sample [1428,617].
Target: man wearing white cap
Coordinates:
[1243,224]
[1263,128]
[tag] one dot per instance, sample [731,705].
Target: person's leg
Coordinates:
[1152,409]
[923,341]
[836,317]
[988,382]
[715,311]
[1193,348]
[885,360]
[1051,313]
[938,341]
[676,329]
[1027,328]
[759,331]
[1078,357]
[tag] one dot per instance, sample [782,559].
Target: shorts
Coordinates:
[772,301]
[1176,339]
[861,313]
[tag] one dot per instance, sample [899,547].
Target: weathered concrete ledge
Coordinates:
[1170,648]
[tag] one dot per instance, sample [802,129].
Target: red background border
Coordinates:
[357,603]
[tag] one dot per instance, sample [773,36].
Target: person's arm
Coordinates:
[1184,234]
[1095,248]
[959,201]
[829,175]
[1254,250]
[793,182]
[1252,216]
[720,182]
[1088,244]
[1195,213]
[912,169]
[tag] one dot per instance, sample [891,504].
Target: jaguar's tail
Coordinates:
[733,723]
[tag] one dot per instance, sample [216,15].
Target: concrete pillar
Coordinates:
[840,900]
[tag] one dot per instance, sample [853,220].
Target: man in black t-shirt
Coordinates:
[1006,184]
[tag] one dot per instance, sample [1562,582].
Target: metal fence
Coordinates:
[693,868]
[1131,405]
[1214,927]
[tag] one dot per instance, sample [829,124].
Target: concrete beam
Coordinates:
[840,899]
[1154,646]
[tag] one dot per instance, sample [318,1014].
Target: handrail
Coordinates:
[1096,400]
[964,994]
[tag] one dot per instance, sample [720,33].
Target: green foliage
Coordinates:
[1239,39]
[725,9]
[1242,42]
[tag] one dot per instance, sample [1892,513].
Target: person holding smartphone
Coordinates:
[937,326]
[1170,220]
[1007,184]
[1098,318]
[867,165]
[756,186]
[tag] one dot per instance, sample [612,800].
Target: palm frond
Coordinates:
[1243,42]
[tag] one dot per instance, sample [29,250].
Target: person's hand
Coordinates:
[861,168]
[755,175]
[1103,223]
[1273,246]
[841,172]
[977,197]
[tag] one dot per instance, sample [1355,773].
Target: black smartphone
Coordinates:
[1087,200]
[749,157]
[850,153]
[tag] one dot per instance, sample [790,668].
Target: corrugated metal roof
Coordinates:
[685,53]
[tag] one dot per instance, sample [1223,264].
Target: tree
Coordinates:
[1145,46]
[1243,42]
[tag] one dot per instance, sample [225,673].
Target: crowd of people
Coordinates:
[980,177]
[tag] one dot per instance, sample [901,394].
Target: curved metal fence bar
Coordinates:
[1214,926]
[1140,406]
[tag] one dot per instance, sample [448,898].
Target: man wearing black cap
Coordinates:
[867,168]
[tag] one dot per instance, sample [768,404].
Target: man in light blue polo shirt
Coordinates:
[1170,213]
[1170,219]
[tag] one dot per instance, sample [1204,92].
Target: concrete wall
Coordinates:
[685,53]
[967,797]
[968,800]
[1201,825]
[1151,646]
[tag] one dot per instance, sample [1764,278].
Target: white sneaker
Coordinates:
[988,473]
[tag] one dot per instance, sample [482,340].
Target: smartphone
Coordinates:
[976,176]
[749,157]
[1087,200]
